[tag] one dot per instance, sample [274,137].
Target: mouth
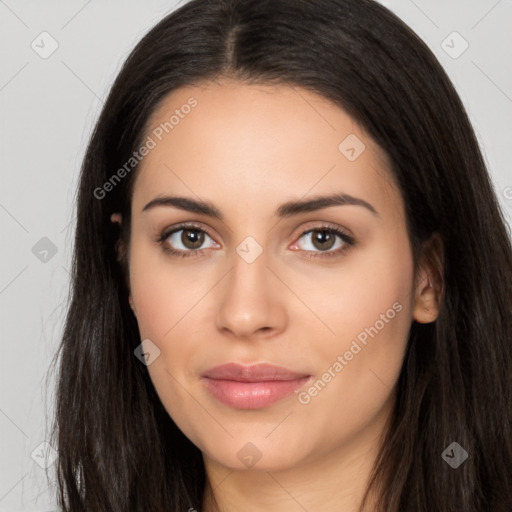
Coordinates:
[252,387]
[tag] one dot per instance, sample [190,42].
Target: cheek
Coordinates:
[170,304]
[371,318]
[163,293]
[368,297]
[164,300]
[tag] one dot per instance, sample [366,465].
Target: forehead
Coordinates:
[259,142]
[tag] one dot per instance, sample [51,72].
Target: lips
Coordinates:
[252,387]
[254,373]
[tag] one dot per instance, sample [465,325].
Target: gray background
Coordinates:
[48,107]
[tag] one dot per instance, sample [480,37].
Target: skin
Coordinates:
[247,149]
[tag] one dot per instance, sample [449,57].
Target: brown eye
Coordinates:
[192,238]
[323,239]
[185,241]
[322,242]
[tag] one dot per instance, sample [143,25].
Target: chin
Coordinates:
[258,453]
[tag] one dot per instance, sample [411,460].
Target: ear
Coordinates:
[116,218]
[132,305]
[429,281]
[120,249]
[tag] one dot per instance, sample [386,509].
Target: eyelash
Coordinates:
[348,241]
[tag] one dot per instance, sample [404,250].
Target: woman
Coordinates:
[291,279]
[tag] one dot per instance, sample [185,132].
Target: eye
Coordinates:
[323,239]
[187,241]
[184,241]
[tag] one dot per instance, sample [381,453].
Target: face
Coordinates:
[324,291]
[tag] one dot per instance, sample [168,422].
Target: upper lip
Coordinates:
[253,373]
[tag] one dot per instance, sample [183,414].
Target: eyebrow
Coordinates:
[287,209]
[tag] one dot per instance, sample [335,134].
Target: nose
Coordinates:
[251,300]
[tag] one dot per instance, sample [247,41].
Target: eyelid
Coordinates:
[318,225]
[166,232]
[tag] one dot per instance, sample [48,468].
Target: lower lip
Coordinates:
[252,395]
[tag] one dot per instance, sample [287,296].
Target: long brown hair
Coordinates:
[118,449]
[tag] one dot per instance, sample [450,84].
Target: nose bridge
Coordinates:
[250,298]
[248,280]
[250,263]
[251,249]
